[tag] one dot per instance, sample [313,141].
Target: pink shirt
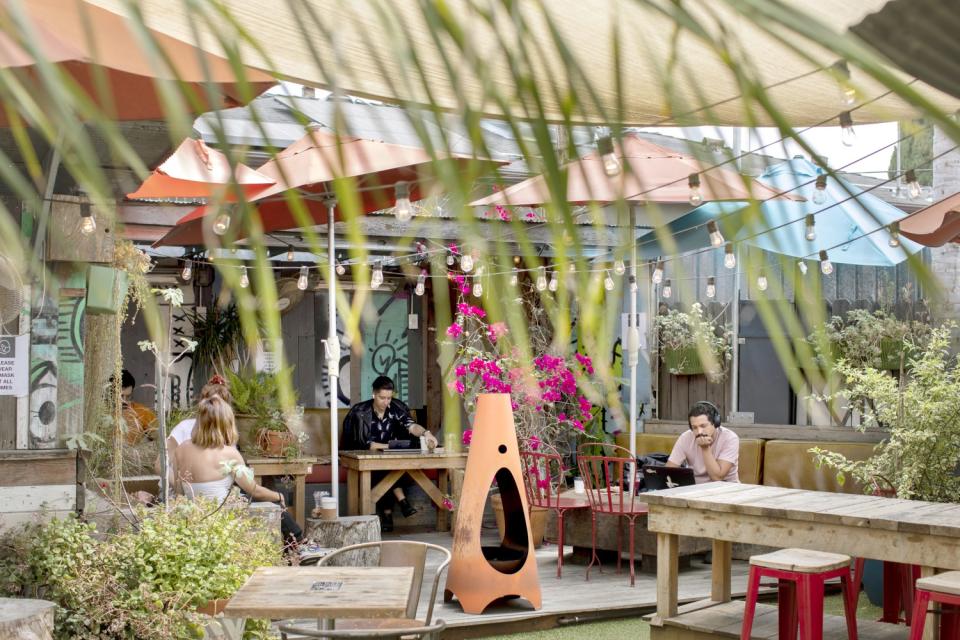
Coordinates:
[726,446]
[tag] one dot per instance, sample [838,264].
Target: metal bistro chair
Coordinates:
[393,553]
[604,480]
[545,477]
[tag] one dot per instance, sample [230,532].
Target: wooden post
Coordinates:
[722,557]
[667,581]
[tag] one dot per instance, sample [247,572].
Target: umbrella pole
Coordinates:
[333,353]
[633,350]
[735,339]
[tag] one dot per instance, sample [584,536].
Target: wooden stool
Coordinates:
[945,589]
[801,574]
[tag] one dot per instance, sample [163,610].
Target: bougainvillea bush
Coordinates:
[548,389]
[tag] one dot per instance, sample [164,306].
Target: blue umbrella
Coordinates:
[840,220]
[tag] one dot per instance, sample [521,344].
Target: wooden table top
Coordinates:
[890,514]
[411,453]
[323,592]
[415,459]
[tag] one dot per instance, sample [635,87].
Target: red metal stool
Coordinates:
[945,589]
[801,574]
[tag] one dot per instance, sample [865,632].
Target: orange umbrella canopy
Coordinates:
[86,40]
[310,165]
[197,171]
[649,173]
[936,225]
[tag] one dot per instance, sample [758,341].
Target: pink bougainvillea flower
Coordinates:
[460,371]
[534,442]
[448,504]
[496,331]
[467,436]
[454,330]
[454,250]
[543,483]
[578,425]
[459,387]
[533,471]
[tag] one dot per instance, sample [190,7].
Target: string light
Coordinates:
[290,255]
[402,208]
[377,278]
[820,192]
[421,282]
[514,278]
[304,279]
[803,267]
[477,286]
[894,231]
[848,95]
[554,281]
[221,223]
[847,134]
[657,277]
[762,281]
[633,284]
[541,278]
[811,228]
[694,183]
[87,222]
[618,267]
[466,263]
[340,269]
[450,259]
[711,287]
[611,165]
[187,273]
[913,185]
[716,238]
[608,282]
[667,289]
[729,257]
[244,278]
[826,267]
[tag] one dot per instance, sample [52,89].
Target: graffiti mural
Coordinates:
[385,345]
[44,374]
[70,358]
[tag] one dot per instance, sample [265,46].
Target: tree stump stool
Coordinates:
[23,619]
[343,532]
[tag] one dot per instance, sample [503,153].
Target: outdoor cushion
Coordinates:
[789,463]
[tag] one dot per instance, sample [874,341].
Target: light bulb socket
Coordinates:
[605,145]
[846,120]
[841,69]
[693,180]
[401,190]
[821,181]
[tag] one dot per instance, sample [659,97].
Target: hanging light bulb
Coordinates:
[554,281]
[729,257]
[803,267]
[514,278]
[667,289]
[340,269]
[421,282]
[694,183]
[716,238]
[466,263]
[611,165]
[894,231]
[762,281]
[619,267]
[402,208]
[304,279]
[913,185]
[826,267]
[221,223]
[477,286]
[450,259]
[244,278]
[541,278]
[88,223]
[608,282]
[633,284]
[187,273]
[820,192]
[377,278]
[847,134]
[657,277]
[848,95]
[290,255]
[711,287]
[811,227]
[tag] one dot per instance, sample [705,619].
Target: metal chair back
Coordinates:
[606,478]
[544,478]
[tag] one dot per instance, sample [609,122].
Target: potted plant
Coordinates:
[691,344]
[261,420]
[870,339]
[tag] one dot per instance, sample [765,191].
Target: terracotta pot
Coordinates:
[538,519]
[274,443]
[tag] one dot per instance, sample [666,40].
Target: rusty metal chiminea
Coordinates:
[479,575]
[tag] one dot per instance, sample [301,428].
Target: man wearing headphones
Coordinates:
[712,451]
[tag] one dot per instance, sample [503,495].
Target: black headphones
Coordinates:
[713,414]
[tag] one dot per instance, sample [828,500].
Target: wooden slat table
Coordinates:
[907,531]
[362,498]
[298,469]
[323,593]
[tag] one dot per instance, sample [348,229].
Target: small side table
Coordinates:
[298,468]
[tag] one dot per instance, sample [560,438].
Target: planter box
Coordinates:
[685,361]
[106,289]
[890,352]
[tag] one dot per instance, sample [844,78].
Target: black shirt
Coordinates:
[362,426]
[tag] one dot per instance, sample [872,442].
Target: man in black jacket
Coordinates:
[371,425]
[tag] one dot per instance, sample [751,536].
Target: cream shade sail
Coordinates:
[358,45]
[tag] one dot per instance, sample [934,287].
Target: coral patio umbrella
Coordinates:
[197,171]
[936,225]
[86,41]
[310,165]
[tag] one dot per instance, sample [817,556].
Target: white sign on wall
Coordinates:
[14,365]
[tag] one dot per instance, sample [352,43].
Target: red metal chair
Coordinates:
[604,477]
[545,476]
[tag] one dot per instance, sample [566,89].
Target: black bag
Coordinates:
[652,460]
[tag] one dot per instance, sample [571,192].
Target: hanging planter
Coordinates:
[684,361]
[890,354]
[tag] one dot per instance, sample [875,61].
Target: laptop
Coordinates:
[657,477]
[401,446]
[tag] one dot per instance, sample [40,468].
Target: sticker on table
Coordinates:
[326,585]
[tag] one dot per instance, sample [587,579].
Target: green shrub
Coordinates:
[138,583]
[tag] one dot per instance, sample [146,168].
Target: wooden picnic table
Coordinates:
[323,593]
[907,531]
[362,497]
[298,469]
